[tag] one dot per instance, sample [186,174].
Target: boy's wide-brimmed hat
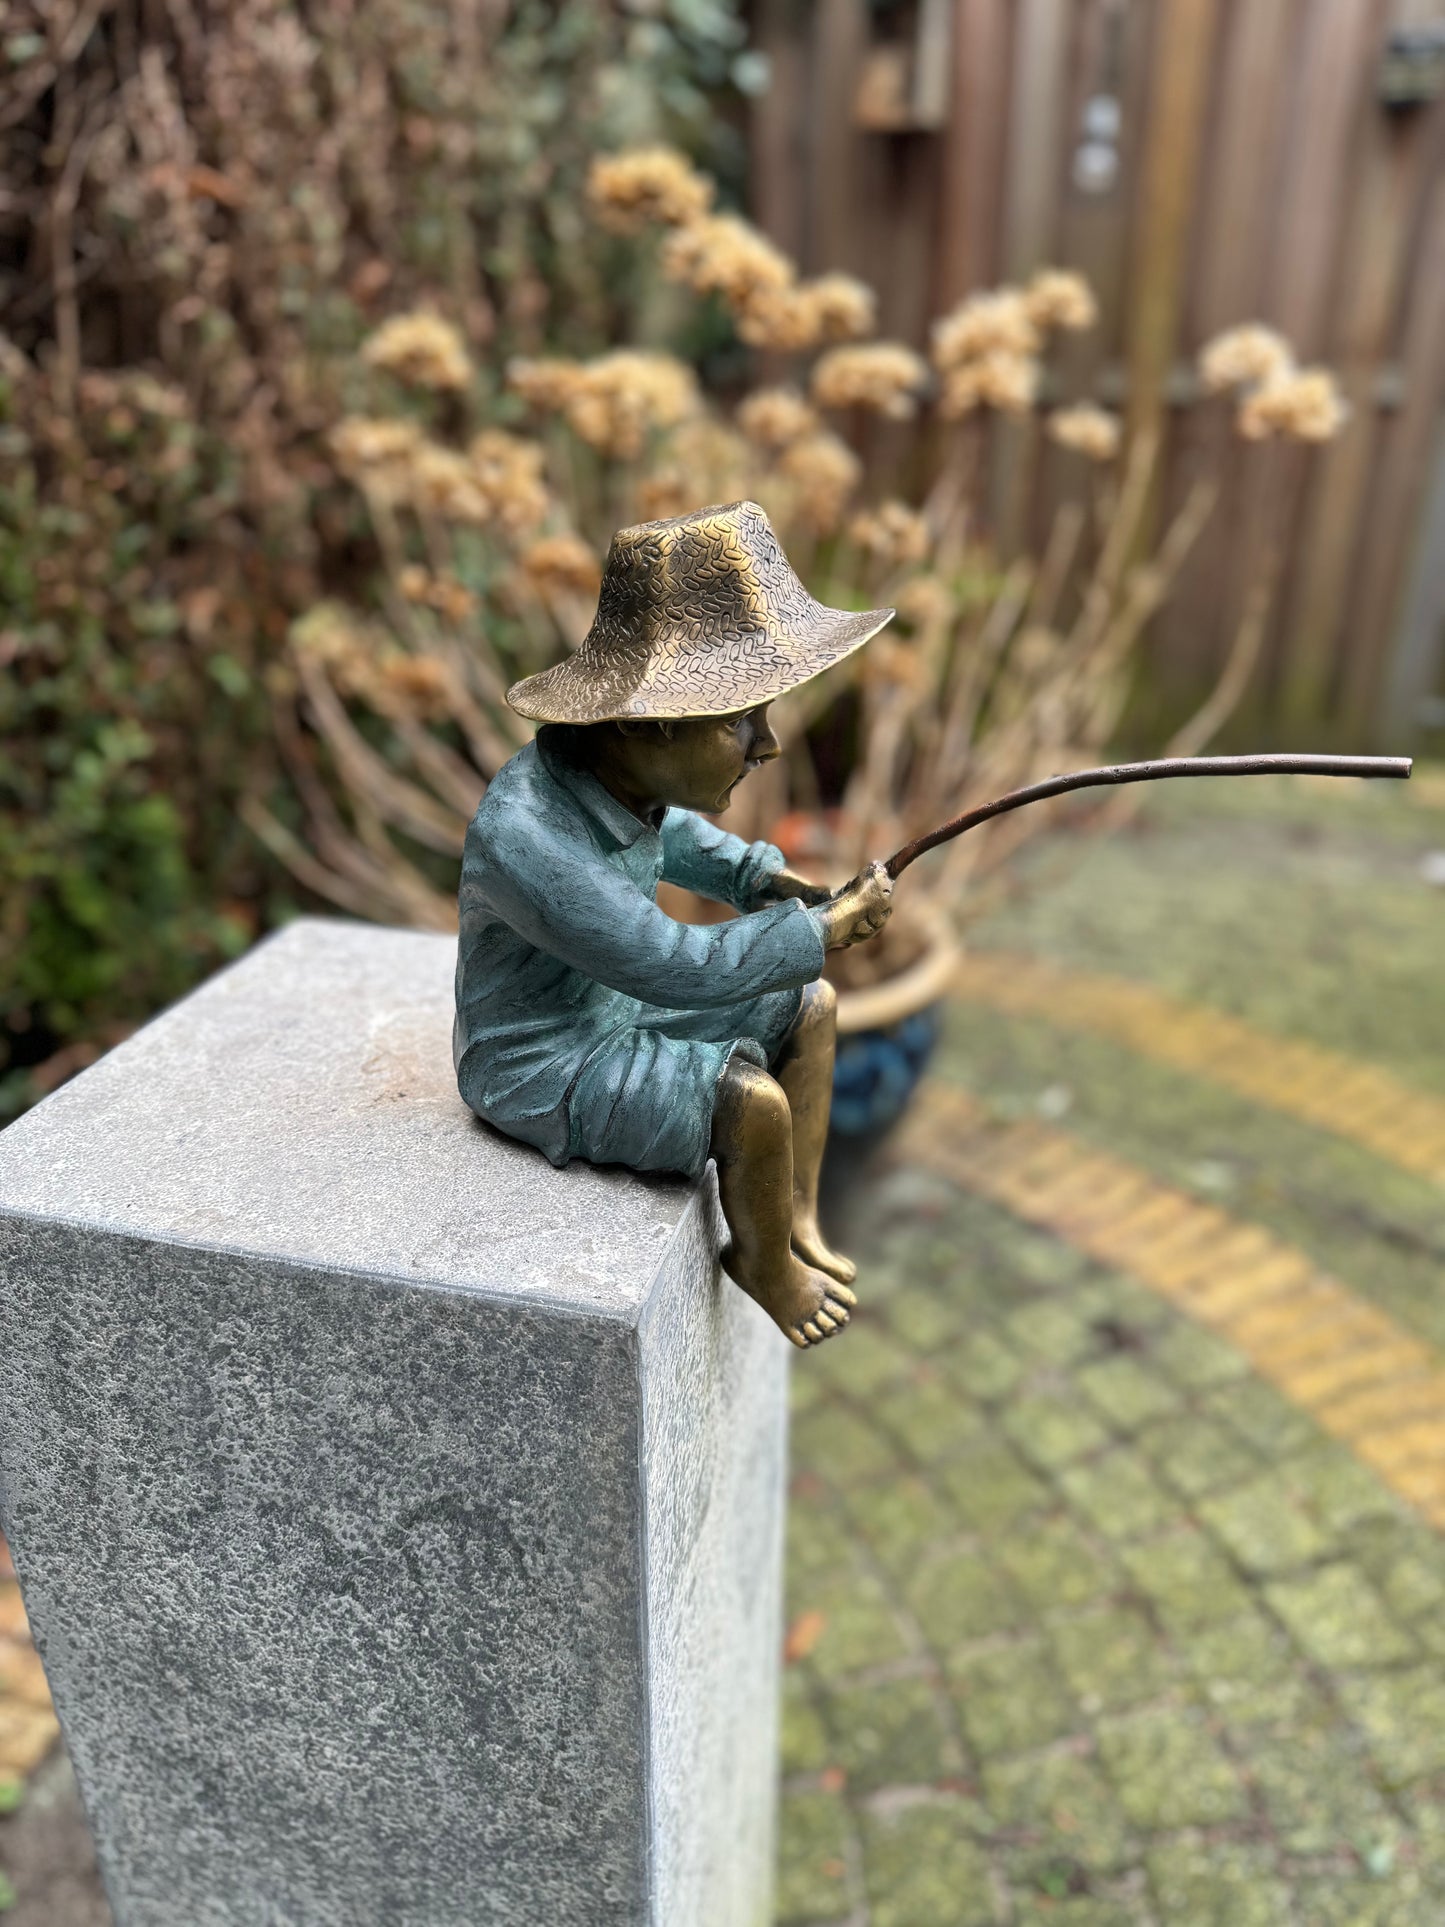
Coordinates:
[698,616]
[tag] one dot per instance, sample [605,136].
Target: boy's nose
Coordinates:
[765,745]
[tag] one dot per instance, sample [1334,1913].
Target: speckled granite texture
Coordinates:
[399,1518]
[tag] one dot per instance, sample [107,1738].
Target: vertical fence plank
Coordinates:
[1184,39]
[778,134]
[1036,140]
[1387,180]
[1406,444]
[1239,177]
[973,152]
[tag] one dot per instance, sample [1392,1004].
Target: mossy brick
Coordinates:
[1012,1699]
[984,1365]
[860,1624]
[923,1868]
[990,1487]
[1053,1329]
[1262,1417]
[890,1733]
[1195,1358]
[803,1739]
[813,1880]
[1218,1885]
[840,1443]
[959,1596]
[1196,1455]
[1250,1711]
[1046,1902]
[900,1521]
[1112,1657]
[1064,1800]
[1342,1493]
[1168,1771]
[1338,1620]
[1188,1580]
[1262,1528]
[1052,1428]
[1113,1303]
[1054,1565]
[1407,1563]
[868,1359]
[1127,1392]
[1248,1649]
[1117,1495]
[804,1391]
[1402,1715]
[922,1321]
[1398,1901]
[930,1417]
[819,1540]
[1318,1792]
[1039,1256]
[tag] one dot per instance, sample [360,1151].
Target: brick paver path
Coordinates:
[1114,1591]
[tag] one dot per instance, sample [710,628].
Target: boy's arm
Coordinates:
[698,856]
[560,896]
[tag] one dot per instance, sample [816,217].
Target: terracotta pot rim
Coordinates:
[913,989]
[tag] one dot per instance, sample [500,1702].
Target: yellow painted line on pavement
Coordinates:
[1320,1087]
[1363,1377]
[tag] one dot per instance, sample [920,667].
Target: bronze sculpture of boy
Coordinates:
[591,1024]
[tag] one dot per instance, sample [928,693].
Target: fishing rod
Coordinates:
[1158,771]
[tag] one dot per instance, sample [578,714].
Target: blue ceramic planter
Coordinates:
[877,1071]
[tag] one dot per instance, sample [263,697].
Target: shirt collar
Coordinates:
[595,798]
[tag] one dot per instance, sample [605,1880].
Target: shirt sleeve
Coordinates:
[561,895]
[699,856]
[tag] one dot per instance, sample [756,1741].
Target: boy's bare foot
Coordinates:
[806,1305]
[813,1248]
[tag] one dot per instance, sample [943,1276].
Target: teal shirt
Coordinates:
[568,972]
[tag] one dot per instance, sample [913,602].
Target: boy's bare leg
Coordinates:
[752,1140]
[805,1071]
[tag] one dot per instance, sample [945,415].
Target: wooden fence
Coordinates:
[1203,162]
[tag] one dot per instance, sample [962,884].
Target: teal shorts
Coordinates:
[645,1096]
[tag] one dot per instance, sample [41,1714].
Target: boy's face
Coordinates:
[704,758]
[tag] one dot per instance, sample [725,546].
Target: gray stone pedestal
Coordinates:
[399,1518]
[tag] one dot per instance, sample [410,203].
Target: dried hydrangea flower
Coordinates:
[1304,404]
[824,472]
[773,417]
[1059,298]
[1087,429]
[665,493]
[420,349]
[993,323]
[509,472]
[417,684]
[882,375]
[1245,354]
[442,483]
[925,601]
[547,382]
[624,396]
[376,450]
[644,185]
[844,308]
[783,320]
[893,532]
[562,563]
[724,254]
[451,599]
[999,379]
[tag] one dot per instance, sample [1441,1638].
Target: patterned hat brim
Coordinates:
[743,671]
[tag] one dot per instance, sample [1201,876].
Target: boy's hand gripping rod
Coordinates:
[1084,779]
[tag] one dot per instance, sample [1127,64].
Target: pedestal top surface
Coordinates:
[302,1105]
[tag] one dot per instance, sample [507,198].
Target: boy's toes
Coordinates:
[843,1295]
[838,1313]
[814,1335]
[826,1324]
